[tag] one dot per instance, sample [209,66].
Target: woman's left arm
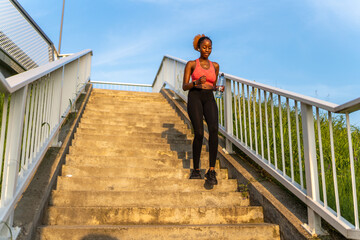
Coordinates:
[217,67]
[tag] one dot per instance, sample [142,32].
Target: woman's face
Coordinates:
[205,48]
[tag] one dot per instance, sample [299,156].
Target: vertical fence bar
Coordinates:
[321,158]
[43,124]
[35,122]
[40,116]
[243,98]
[51,118]
[249,115]
[311,170]
[261,126]
[281,136]
[221,111]
[299,144]
[290,141]
[235,111]
[267,128]
[48,110]
[338,212]
[352,168]
[240,115]
[3,131]
[255,125]
[25,133]
[31,128]
[228,114]
[273,128]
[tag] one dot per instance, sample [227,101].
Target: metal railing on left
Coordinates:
[21,38]
[34,105]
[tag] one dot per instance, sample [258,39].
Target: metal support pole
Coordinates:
[228,114]
[311,169]
[61,26]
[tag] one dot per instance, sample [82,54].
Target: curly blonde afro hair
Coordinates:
[198,39]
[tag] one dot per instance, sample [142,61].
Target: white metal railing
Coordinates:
[122,86]
[34,105]
[305,143]
[21,38]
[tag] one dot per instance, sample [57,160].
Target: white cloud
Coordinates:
[346,11]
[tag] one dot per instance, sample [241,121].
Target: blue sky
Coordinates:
[308,46]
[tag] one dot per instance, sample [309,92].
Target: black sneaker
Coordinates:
[211,177]
[195,174]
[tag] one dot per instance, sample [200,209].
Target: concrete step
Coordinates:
[143,123]
[133,116]
[121,105]
[133,131]
[146,215]
[123,97]
[261,231]
[140,112]
[135,184]
[154,135]
[134,152]
[82,170]
[147,199]
[96,144]
[180,139]
[138,98]
[114,93]
[133,126]
[130,109]
[135,162]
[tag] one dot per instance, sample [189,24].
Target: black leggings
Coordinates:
[201,103]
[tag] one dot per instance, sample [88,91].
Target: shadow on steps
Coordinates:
[186,158]
[98,237]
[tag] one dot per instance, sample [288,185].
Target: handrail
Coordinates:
[295,138]
[350,106]
[35,105]
[20,80]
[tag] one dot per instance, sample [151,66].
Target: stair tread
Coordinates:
[249,231]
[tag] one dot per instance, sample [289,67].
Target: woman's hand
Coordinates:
[201,80]
[222,88]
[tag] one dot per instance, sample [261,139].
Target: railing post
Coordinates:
[311,169]
[56,142]
[12,154]
[228,114]
[177,84]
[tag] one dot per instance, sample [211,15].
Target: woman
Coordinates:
[201,103]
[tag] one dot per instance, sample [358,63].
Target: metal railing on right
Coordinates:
[34,105]
[307,144]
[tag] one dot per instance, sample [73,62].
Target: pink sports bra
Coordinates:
[200,71]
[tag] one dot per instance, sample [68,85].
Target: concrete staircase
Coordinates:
[127,177]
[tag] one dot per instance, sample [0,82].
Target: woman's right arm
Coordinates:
[188,69]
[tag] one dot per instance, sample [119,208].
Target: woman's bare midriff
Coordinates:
[205,86]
